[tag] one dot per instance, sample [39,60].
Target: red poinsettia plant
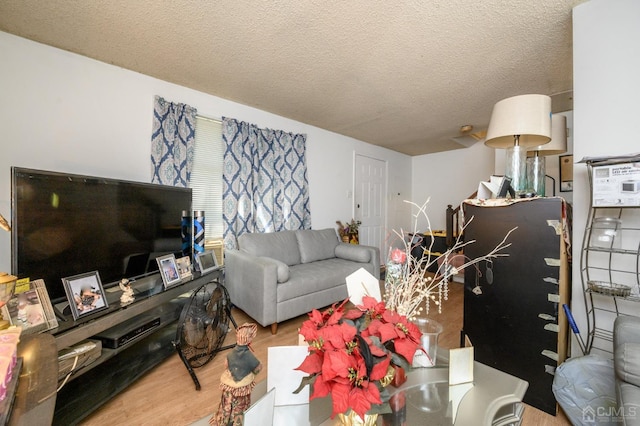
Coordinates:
[351,352]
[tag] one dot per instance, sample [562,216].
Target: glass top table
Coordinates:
[494,398]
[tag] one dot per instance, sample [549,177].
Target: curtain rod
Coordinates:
[215,120]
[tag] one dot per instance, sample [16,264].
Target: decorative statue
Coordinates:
[238,379]
[127,292]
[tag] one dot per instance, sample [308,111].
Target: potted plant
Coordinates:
[349,232]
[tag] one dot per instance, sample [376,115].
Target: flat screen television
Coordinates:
[65,224]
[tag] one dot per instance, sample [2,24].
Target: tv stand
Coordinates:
[141,336]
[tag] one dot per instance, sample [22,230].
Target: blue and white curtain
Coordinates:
[265,187]
[172,143]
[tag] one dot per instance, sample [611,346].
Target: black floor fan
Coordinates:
[203,325]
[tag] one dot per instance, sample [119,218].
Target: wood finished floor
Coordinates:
[167,396]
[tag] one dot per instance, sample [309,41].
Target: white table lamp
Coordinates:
[535,156]
[518,123]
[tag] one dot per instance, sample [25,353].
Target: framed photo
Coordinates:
[85,294]
[566,173]
[207,261]
[31,309]
[184,267]
[169,270]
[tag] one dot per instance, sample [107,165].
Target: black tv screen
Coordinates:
[65,224]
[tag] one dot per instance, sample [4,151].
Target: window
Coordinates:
[206,176]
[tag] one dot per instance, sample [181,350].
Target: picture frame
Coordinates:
[207,261]
[85,294]
[184,267]
[566,173]
[31,309]
[168,270]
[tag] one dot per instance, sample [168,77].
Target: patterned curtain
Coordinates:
[265,187]
[172,143]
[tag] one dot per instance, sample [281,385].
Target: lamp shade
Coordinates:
[525,119]
[558,144]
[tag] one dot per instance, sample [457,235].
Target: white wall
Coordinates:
[64,112]
[606,60]
[449,178]
[552,162]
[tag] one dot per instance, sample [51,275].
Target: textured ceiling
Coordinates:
[401,74]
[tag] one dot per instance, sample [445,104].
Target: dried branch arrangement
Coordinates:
[408,283]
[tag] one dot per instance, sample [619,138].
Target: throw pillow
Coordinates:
[281,246]
[317,244]
[282,269]
[352,252]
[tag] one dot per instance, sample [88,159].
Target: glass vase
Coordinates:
[427,353]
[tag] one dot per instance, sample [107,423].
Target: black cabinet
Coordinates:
[513,312]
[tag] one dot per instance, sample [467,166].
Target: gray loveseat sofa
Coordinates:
[626,361]
[277,276]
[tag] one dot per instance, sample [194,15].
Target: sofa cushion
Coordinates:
[313,277]
[317,245]
[353,252]
[282,246]
[585,381]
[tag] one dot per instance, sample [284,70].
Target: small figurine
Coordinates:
[127,292]
[238,379]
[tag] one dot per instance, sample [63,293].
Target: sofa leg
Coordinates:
[274,328]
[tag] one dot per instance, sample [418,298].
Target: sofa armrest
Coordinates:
[626,349]
[362,254]
[252,282]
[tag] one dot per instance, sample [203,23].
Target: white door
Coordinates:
[369,200]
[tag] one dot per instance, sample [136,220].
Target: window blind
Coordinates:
[206,176]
